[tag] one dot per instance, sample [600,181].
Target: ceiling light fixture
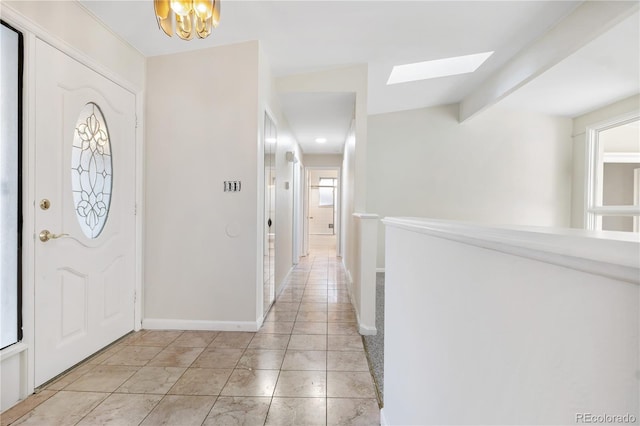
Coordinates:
[321,140]
[187,17]
[438,68]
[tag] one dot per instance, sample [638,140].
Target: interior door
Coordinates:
[85,212]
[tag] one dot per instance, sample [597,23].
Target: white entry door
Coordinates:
[85,199]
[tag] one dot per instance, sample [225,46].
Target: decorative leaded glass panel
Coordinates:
[91,173]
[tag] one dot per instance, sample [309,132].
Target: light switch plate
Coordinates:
[232,186]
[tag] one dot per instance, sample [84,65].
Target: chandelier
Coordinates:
[187,17]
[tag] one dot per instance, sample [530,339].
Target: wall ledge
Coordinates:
[613,255]
[13,350]
[365,215]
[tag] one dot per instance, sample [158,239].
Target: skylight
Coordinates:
[437,68]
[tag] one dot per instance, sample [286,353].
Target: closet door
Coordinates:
[270,145]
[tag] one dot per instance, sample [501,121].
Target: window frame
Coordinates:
[594,210]
[19,179]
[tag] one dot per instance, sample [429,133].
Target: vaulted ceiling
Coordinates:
[311,35]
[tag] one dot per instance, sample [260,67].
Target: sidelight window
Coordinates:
[10,185]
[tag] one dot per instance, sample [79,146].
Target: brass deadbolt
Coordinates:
[45,204]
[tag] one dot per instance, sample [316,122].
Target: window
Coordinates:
[91,174]
[10,184]
[613,176]
[326,191]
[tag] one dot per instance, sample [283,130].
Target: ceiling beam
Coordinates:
[589,20]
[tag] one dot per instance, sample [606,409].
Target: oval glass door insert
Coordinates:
[91,172]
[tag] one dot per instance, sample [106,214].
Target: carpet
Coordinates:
[374,345]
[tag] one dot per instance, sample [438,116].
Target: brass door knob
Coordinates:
[46,235]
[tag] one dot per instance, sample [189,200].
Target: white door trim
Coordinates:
[338,212]
[32,31]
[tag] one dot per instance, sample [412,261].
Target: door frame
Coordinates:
[338,207]
[265,235]
[31,32]
[298,223]
[265,109]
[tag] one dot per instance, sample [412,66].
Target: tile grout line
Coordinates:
[315,276]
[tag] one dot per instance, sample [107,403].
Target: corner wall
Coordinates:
[502,167]
[201,242]
[284,202]
[349,237]
[535,328]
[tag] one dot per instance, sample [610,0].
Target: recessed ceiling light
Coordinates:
[321,140]
[438,68]
[271,140]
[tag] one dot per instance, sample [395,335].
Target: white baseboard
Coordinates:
[179,324]
[260,322]
[379,270]
[353,304]
[366,330]
[383,420]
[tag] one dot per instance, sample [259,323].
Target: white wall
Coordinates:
[224,278]
[349,236]
[580,124]
[201,243]
[486,326]
[323,160]
[284,202]
[502,167]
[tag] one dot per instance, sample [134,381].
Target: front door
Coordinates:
[85,212]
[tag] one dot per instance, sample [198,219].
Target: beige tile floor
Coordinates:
[305,366]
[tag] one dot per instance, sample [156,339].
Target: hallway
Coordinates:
[306,366]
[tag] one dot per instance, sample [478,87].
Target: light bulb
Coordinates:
[203,8]
[181,7]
